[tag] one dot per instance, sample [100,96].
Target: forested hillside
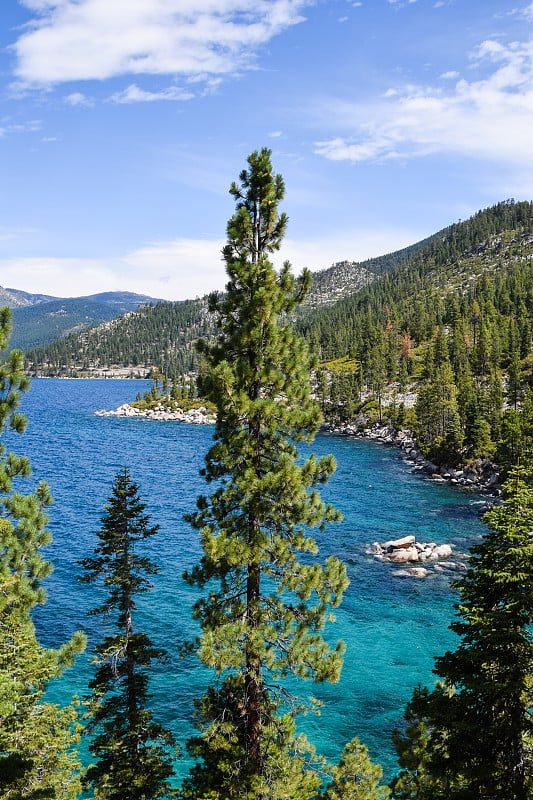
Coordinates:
[470,281]
[39,320]
[160,336]
[454,324]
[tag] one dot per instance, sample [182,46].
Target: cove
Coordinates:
[393,627]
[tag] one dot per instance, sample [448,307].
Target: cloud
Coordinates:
[490,118]
[30,126]
[72,40]
[78,99]
[175,270]
[133,94]
[184,268]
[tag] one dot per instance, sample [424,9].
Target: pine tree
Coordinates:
[356,777]
[479,719]
[132,750]
[37,739]
[438,417]
[265,609]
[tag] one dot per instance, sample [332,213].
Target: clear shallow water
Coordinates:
[393,627]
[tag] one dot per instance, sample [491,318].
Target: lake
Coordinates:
[393,627]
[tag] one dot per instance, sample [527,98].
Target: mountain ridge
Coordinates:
[163,336]
[39,319]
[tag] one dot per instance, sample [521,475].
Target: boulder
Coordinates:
[442,551]
[403,555]
[395,544]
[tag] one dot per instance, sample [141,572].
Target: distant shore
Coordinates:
[195,416]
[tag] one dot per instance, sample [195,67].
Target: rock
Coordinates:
[418,572]
[403,555]
[394,544]
[442,551]
[413,572]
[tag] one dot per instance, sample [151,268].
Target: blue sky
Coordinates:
[123,122]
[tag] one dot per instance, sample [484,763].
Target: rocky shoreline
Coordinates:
[196,416]
[480,476]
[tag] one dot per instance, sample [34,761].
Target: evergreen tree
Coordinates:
[356,777]
[438,417]
[265,609]
[479,720]
[37,759]
[132,751]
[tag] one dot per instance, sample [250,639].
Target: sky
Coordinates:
[123,123]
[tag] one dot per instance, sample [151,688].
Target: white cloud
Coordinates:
[78,99]
[8,127]
[175,270]
[184,268]
[490,118]
[134,94]
[71,40]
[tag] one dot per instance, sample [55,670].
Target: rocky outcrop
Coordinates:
[419,559]
[196,416]
[408,550]
[481,475]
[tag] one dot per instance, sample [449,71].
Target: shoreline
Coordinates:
[196,416]
[481,476]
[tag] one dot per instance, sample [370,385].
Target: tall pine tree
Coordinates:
[37,738]
[132,751]
[265,607]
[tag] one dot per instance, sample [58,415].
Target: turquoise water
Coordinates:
[393,627]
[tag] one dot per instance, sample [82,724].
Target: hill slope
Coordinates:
[39,319]
[15,298]
[449,262]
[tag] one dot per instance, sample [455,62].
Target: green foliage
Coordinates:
[356,777]
[264,610]
[477,723]
[463,298]
[161,336]
[133,751]
[37,738]
[438,416]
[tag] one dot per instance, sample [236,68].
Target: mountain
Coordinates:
[452,267]
[40,319]
[349,302]
[161,335]
[14,298]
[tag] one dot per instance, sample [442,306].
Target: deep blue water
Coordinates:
[393,627]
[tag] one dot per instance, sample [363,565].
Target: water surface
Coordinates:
[393,627]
